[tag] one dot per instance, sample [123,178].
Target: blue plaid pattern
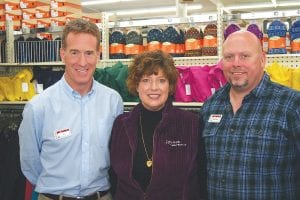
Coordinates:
[253,154]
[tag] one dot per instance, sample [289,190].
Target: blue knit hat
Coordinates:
[277,28]
[155,34]
[295,30]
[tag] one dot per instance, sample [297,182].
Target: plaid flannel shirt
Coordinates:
[252,154]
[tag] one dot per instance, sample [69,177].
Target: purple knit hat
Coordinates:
[230,29]
[253,28]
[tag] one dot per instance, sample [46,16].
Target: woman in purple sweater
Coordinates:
[156,150]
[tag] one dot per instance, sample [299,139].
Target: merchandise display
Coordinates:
[210,40]
[154,39]
[193,42]
[134,43]
[30,63]
[117,45]
[295,37]
[277,37]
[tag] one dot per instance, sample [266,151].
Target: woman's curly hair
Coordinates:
[149,63]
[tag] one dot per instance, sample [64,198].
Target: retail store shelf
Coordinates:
[31,64]
[289,60]
[179,61]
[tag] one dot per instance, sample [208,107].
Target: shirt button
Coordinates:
[223,180]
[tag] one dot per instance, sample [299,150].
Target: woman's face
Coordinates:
[153,90]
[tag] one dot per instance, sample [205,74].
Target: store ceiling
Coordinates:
[208,6]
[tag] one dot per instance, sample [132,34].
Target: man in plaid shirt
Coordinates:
[252,129]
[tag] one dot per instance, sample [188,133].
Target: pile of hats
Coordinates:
[154,39]
[231,28]
[117,45]
[171,40]
[134,43]
[193,42]
[277,37]
[210,40]
[295,37]
[253,28]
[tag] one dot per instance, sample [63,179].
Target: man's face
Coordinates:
[80,57]
[243,62]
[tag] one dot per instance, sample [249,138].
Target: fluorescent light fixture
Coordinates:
[288,4]
[194,7]
[270,14]
[97,2]
[145,11]
[242,7]
[154,10]
[262,5]
[273,2]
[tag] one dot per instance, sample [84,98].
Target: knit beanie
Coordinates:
[171,37]
[154,34]
[230,29]
[154,39]
[193,42]
[295,37]
[277,37]
[210,40]
[253,28]
[134,43]
[117,42]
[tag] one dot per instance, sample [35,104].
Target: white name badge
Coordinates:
[215,118]
[62,133]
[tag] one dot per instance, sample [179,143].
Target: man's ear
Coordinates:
[62,53]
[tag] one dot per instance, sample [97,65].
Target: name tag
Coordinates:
[215,118]
[62,134]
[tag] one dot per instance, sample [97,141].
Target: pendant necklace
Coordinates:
[149,160]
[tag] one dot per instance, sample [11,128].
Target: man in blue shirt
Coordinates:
[252,129]
[66,129]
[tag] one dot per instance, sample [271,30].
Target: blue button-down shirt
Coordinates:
[252,154]
[64,139]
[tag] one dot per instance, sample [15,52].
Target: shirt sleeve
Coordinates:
[29,145]
[120,106]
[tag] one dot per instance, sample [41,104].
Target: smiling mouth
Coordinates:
[238,73]
[154,96]
[81,70]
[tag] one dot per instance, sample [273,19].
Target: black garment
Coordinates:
[20,54]
[46,76]
[3,51]
[12,181]
[141,172]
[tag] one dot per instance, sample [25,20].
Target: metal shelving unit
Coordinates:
[291,60]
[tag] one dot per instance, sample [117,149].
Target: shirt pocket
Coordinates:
[210,130]
[264,139]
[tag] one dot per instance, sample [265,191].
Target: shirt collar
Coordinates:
[261,88]
[259,91]
[74,93]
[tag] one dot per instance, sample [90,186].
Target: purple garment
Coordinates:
[253,28]
[231,29]
[178,153]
